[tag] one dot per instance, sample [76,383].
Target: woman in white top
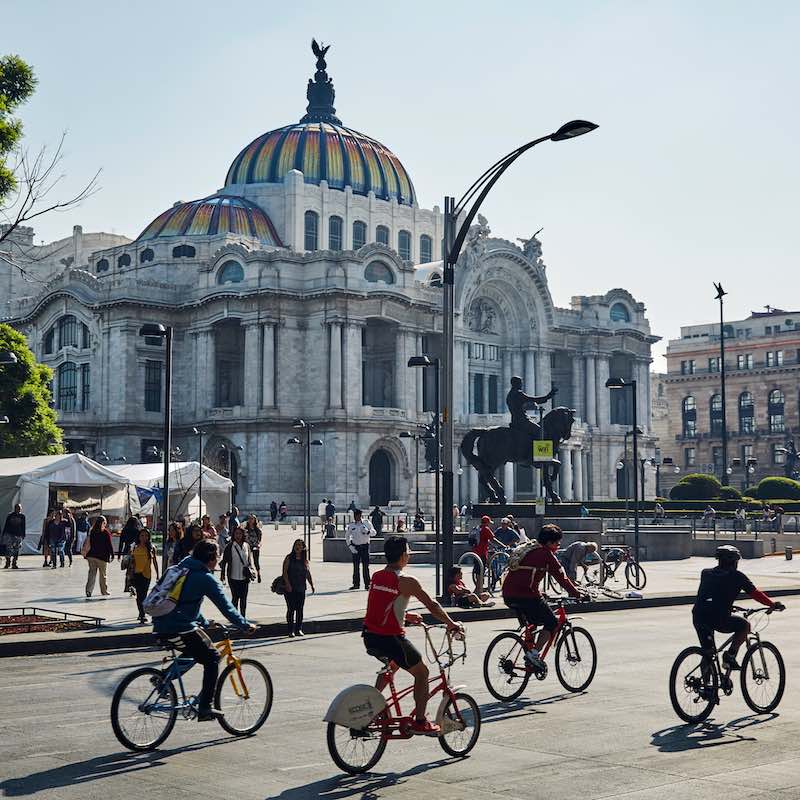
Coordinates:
[237,567]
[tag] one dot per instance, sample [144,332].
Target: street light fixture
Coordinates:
[164,332]
[453,242]
[201,433]
[620,384]
[307,443]
[4,420]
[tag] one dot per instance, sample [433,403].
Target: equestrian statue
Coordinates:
[486,449]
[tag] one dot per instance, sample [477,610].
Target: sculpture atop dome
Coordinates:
[320,92]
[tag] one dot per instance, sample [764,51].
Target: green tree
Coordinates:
[25,400]
[17,83]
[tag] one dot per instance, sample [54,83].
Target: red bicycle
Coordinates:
[361,720]
[507,672]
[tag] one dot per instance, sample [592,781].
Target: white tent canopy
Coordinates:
[87,484]
[184,487]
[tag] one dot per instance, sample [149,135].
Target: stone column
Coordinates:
[603,398]
[642,373]
[578,477]
[508,482]
[352,370]
[517,363]
[544,375]
[268,365]
[507,373]
[591,392]
[530,371]
[485,393]
[252,364]
[465,358]
[420,375]
[585,493]
[473,484]
[565,474]
[577,387]
[210,367]
[402,378]
[335,366]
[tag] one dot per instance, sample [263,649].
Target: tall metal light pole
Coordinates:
[451,249]
[720,294]
[164,332]
[306,442]
[199,432]
[621,384]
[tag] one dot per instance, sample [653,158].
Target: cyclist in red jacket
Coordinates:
[521,587]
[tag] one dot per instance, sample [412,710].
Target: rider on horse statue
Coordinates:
[517,402]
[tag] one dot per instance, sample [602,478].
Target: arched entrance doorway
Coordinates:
[380,478]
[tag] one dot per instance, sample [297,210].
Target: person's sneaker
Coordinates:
[533,659]
[299,633]
[88,594]
[259,577]
[292,634]
[14,566]
[729,661]
[208,714]
[425,727]
[353,587]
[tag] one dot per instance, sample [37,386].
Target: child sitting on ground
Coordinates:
[461,595]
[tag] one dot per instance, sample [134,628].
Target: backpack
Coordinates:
[518,553]
[164,596]
[474,537]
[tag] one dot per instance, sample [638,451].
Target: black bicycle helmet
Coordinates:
[728,555]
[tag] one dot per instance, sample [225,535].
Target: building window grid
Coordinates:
[689,456]
[85,387]
[746,413]
[152,385]
[382,235]
[67,387]
[404,245]
[311,230]
[335,228]
[425,249]
[359,234]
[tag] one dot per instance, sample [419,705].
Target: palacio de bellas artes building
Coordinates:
[300,289]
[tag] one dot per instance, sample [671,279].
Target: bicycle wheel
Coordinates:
[244,715]
[143,710]
[497,566]
[635,575]
[355,751]
[461,725]
[576,659]
[504,668]
[763,677]
[595,574]
[693,685]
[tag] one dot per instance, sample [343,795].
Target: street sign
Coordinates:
[62,495]
[542,450]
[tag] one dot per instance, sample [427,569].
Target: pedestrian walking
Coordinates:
[99,554]
[81,530]
[143,563]
[273,511]
[357,535]
[57,538]
[184,547]
[376,518]
[174,535]
[13,536]
[44,545]
[283,510]
[209,530]
[222,531]
[330,511]
[233,521]
[321,510]
[237,568]
[296,573]
[129,535]
[253,535]
[69,544]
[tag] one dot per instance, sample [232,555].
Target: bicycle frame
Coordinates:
[562,627]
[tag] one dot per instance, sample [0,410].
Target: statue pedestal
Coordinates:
[427,494]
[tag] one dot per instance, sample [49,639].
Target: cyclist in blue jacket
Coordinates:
[183,627]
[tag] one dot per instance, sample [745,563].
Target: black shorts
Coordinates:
[534,611]
[705,627]
[393,648]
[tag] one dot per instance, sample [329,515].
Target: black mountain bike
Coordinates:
[696,678]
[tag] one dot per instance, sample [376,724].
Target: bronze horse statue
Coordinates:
[498,446]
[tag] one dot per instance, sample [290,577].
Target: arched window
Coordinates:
[619,313]
[67,387]
[746,412]
[124,260]
[716,414]
[404,245]
[311,230]
[359,234]
[85,339]
[378,272]
[689,413]
[775,408]
[425,249]
[183,251]
[230,272]
[146,255]
[102,265]
[382,235]
[67,331]
[335,228]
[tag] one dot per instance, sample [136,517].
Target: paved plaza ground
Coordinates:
[618,740]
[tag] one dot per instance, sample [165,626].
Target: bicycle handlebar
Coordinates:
[748,612]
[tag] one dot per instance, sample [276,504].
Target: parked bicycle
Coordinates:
[361,720]
[507,672]
[697,677]
[146,704]
[498,564]
[597,575]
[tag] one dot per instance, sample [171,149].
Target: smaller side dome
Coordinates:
[213,216]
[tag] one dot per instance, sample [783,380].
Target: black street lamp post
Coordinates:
[720,295]
[306,442]
[164,332]
[201,433]
[621,384]
[452,242]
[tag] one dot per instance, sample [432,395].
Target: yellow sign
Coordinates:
[62,495]
[542,449]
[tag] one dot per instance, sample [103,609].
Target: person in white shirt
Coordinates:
[237,567]
[357,535]
[321,513]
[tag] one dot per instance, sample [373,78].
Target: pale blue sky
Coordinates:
[692,176]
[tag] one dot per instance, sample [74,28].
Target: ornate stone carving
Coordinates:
[532,248]
[476,241]
[481,317]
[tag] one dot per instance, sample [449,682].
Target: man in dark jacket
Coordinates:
[129,535]
[182,627]
[58,532]
[13,534]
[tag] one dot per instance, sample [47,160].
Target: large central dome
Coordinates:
[323,150]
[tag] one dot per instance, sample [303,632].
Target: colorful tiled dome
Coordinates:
[323,150]
[212,216]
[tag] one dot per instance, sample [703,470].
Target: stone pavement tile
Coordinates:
[691,790]
[780,774]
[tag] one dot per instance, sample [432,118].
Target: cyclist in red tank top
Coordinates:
[384,632]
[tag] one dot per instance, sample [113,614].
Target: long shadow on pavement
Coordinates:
[679,738]
[497,711]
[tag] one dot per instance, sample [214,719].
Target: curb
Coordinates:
[54,646]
